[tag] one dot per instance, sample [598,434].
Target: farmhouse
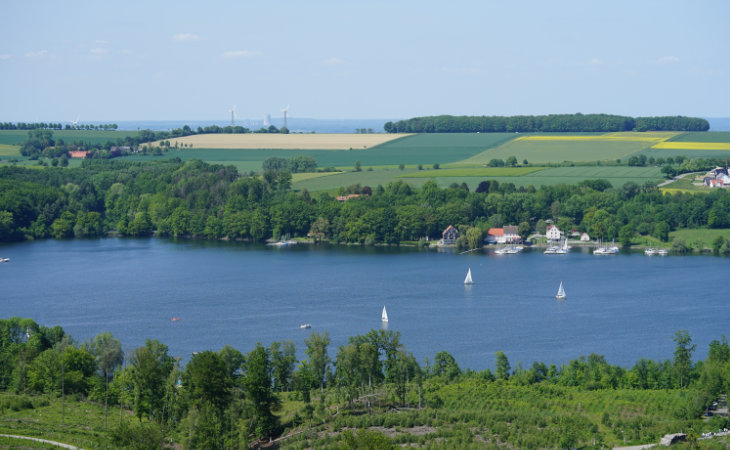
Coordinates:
[717,177]
[78,153]
[344,198]
[553,233]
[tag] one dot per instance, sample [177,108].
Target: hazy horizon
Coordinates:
[104,61]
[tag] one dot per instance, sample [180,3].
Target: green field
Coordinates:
[332,181]
[538,151]
[422,149]
[535,176]
[17,137]
[9,150]
[693,154]
[481,172]
[702,136]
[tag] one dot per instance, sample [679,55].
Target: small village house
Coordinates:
[78,153]
[506,235]
[450,235]
[511,236]
[495,236]
[344,198]
[553,233]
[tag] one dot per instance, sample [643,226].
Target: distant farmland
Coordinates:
[693,145]
[539,149]
[423,149]
[17,137]
[286,141]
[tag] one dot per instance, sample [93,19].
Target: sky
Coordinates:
[104,61]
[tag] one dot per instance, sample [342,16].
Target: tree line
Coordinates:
[226,398]
[177,199]
[553,123]
[55,126]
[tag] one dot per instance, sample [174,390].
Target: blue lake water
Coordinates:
[624,307]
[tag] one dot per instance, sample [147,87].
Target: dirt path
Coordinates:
[44,441]
[678,177]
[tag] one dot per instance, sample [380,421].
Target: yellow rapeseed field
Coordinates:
[675,145]
[285,141]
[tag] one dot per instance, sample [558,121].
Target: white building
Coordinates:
[553,233]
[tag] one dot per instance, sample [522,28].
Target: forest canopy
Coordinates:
[556,123]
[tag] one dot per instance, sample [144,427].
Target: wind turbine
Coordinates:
[233,115]
[285,111]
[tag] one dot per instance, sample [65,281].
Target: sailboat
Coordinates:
[467,280]
[384,316]
[561,292]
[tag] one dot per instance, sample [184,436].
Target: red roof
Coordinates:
[496,231]
[344,198]
[78,153]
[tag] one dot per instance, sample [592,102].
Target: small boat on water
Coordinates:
[2,260]
[561,292]
[467,280]
[662,252]
[384,315]
[282,243]
[304,326]
[558,249]
[650,252]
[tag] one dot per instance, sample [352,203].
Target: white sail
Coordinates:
[384,316]
[467,280]
[561,291]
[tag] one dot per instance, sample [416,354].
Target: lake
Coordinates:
[625,307]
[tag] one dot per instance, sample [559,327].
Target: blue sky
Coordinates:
[169,60]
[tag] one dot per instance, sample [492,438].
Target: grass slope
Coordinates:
[700,238]
[40,416]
